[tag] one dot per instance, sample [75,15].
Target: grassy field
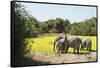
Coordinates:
[45,43]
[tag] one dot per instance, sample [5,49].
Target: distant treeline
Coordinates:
[58,25]
[27,25]
[86,27]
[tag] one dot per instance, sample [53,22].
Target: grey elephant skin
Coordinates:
[63,42]
[86,43]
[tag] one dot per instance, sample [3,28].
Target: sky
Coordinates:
[43,12]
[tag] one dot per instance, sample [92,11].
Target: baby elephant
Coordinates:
[86,43]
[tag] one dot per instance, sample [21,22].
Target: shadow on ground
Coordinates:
[26,61]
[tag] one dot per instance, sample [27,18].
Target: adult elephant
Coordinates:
[74,42]
[60,43]
[86,43]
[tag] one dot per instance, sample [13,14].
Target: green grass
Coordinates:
[45,43]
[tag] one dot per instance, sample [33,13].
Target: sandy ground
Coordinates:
[63,58]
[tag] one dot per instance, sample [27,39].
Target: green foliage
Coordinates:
[32,27]
[25,26]
[19,28]
[87,27]
[57,25]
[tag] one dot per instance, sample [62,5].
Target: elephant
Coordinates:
[74,42]
[86,43]
[62,45]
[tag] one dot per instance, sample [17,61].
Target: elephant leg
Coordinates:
[62,52]
[90,48]
[82,47]
[58,52]
[62,49]
[66,50]
[78,50]
[87,48]
[74,50]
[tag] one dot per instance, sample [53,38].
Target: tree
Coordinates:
[32,27]
[20,19]
[25,26]
[86,27]
[67,25]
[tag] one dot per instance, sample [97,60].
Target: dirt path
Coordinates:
[63,58]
